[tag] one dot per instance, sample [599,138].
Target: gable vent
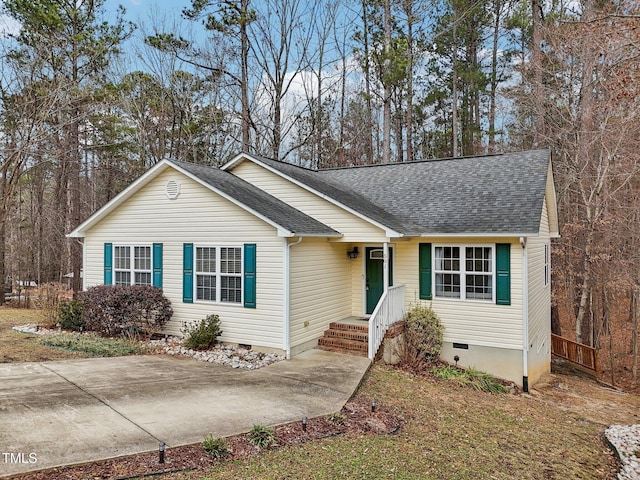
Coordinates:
[172,189]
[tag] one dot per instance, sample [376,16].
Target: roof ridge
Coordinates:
[431,160]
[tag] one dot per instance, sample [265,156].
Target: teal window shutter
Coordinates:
[187,273]
[157,265]
[503,274]
[250,275]
[108,264]
[424,269]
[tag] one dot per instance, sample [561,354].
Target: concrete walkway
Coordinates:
[74,411]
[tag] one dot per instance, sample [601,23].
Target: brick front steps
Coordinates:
[345,337]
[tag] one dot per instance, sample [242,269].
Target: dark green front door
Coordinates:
[374,275]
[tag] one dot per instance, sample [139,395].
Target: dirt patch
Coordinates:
[572,390]
[356,416]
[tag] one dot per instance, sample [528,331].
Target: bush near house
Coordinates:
[202,335]
[423,335]
[70,316]
[130,310]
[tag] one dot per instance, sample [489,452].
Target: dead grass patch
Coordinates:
[21,347]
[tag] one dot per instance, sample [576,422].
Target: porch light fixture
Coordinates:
[353,253]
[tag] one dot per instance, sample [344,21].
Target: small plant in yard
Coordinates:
[215,446]
[337,418]
[203,334]
[422,336]
[92,345]
[470,377]
[448,372]
[262,436]
[484,381]
[70,316]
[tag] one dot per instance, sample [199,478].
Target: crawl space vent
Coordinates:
[172,189]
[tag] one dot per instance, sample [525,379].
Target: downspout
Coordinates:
[525,315]
[286,305]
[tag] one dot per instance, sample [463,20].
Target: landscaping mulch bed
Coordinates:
[356,416]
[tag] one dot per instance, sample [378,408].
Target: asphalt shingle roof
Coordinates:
[337,190]
[495,194]
[259,201]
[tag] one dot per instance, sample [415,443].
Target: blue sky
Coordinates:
[141,8]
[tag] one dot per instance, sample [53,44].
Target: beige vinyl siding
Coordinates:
[357,283]
[353,228]
[201,217]
[539,301]
[480,323]
[320,288]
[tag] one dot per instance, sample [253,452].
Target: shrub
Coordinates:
[125,310]
[46,299]
[423,335]
[70,315]
[203,334]
[262,436]
[470,377]
[484,381]
[215,446]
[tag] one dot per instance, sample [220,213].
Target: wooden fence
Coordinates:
[583,355]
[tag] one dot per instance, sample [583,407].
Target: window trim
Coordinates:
[218,274]
[462,272]
[132,270]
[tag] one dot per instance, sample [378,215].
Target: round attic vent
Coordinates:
[172,189]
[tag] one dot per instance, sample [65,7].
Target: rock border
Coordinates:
[624,440]
[220,354]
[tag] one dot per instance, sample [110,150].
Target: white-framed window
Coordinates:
[464,272]
[547,264]
[132,265]
[218,274]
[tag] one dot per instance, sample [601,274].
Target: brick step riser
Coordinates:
[347,335]
[328,348]
[347,345]
[348,327]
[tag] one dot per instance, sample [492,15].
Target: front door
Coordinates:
[374,275]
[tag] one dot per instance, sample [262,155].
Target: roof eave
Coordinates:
[478,235]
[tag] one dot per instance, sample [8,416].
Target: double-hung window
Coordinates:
[218,274]
[464,272]
[132,265]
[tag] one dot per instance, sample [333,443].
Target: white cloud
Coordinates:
[9,25]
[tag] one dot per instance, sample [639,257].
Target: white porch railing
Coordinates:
[390,309]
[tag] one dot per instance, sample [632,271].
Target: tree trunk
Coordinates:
[536,68]
[497,10]
[635,299]
[555,321]
[454,99]
[386,102]
[244,80]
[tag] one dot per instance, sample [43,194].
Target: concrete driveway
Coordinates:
[73,411]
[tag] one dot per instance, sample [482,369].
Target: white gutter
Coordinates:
[286,297]
[525,315]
